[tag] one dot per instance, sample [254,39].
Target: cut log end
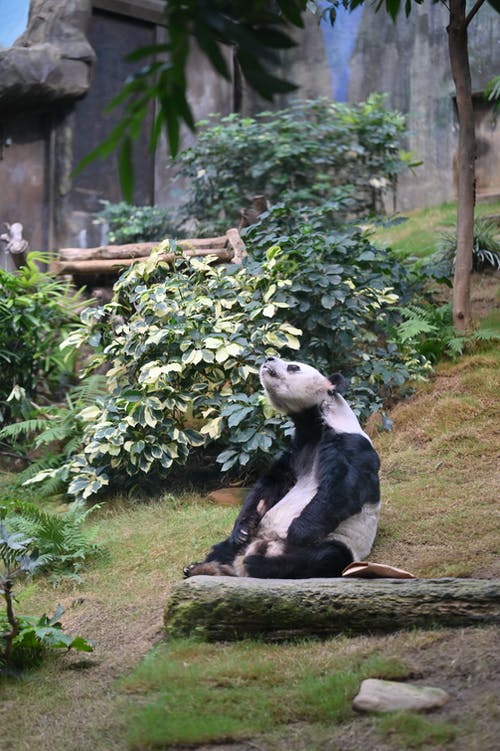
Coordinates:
[226,608]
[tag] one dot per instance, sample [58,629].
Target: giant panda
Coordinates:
[316,509]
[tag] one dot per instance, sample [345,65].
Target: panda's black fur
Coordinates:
[316,509]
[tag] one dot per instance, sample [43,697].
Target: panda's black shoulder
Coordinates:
[356,448]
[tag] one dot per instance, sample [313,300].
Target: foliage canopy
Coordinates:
[298,155]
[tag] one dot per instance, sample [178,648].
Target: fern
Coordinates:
[24,427]
[59,540]
[430,331]
[414,325]
[57,432]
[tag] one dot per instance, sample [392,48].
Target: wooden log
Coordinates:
[226,608]
[137,250]
[113,266]
[237,245]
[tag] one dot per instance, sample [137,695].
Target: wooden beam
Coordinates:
[137,250]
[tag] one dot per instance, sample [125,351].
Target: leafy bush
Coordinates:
[297,155]
[485,249]
[23,639]
[36,313]
[185,344]
[130,224]
[344,293]
[182,342]
[50,436]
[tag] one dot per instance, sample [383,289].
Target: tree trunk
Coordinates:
[459,60]
[225,608]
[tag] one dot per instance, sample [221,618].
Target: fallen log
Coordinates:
[108,266]
[225,608]
[108,261]
[137,250]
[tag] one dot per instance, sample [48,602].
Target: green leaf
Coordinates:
[495,4]
[393,8]
[126,170]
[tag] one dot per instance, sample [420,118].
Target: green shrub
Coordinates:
[182,344]
[298,155]
[344,293]
[485,249]
[36,313]
[131,224]
[185,344]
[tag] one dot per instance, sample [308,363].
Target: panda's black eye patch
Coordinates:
[292,368]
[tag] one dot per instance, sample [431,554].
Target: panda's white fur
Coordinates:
[317,508]
[291,391]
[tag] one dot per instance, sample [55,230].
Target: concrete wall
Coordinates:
[409,61]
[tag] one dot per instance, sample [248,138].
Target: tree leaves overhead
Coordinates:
[252,30]
[255,31]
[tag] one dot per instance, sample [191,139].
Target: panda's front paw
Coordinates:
[240,536]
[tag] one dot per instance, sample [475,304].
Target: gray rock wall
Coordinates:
[408,60]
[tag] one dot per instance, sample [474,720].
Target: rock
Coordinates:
[52,59]
[392,696]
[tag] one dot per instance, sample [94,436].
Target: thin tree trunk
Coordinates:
[459,60]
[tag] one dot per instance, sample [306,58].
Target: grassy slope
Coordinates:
[418,236]
[439,487]
[439,490]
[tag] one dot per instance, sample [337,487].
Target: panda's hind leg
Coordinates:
[219,562]
[325,560]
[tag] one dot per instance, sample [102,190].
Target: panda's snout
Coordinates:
[268,367]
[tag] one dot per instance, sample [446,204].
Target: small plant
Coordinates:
[24,638]
[36,313]
[428,329]
[59,541]
[51,435]
[485,249]
[130,224]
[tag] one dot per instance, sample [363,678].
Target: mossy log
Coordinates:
[225,608]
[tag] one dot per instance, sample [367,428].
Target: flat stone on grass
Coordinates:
[392,696]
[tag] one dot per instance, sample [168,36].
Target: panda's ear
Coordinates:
[339,384]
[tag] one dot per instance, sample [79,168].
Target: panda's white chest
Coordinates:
[277,520]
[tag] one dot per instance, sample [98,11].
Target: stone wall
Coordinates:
[409,61]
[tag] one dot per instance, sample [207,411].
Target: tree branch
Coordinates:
[473,11]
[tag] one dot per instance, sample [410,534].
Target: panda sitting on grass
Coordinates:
[316,509]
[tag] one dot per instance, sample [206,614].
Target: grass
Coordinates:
[416,731]
[136,692]
[417,237]
[196,693]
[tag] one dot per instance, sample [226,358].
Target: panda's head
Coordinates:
[293,387]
